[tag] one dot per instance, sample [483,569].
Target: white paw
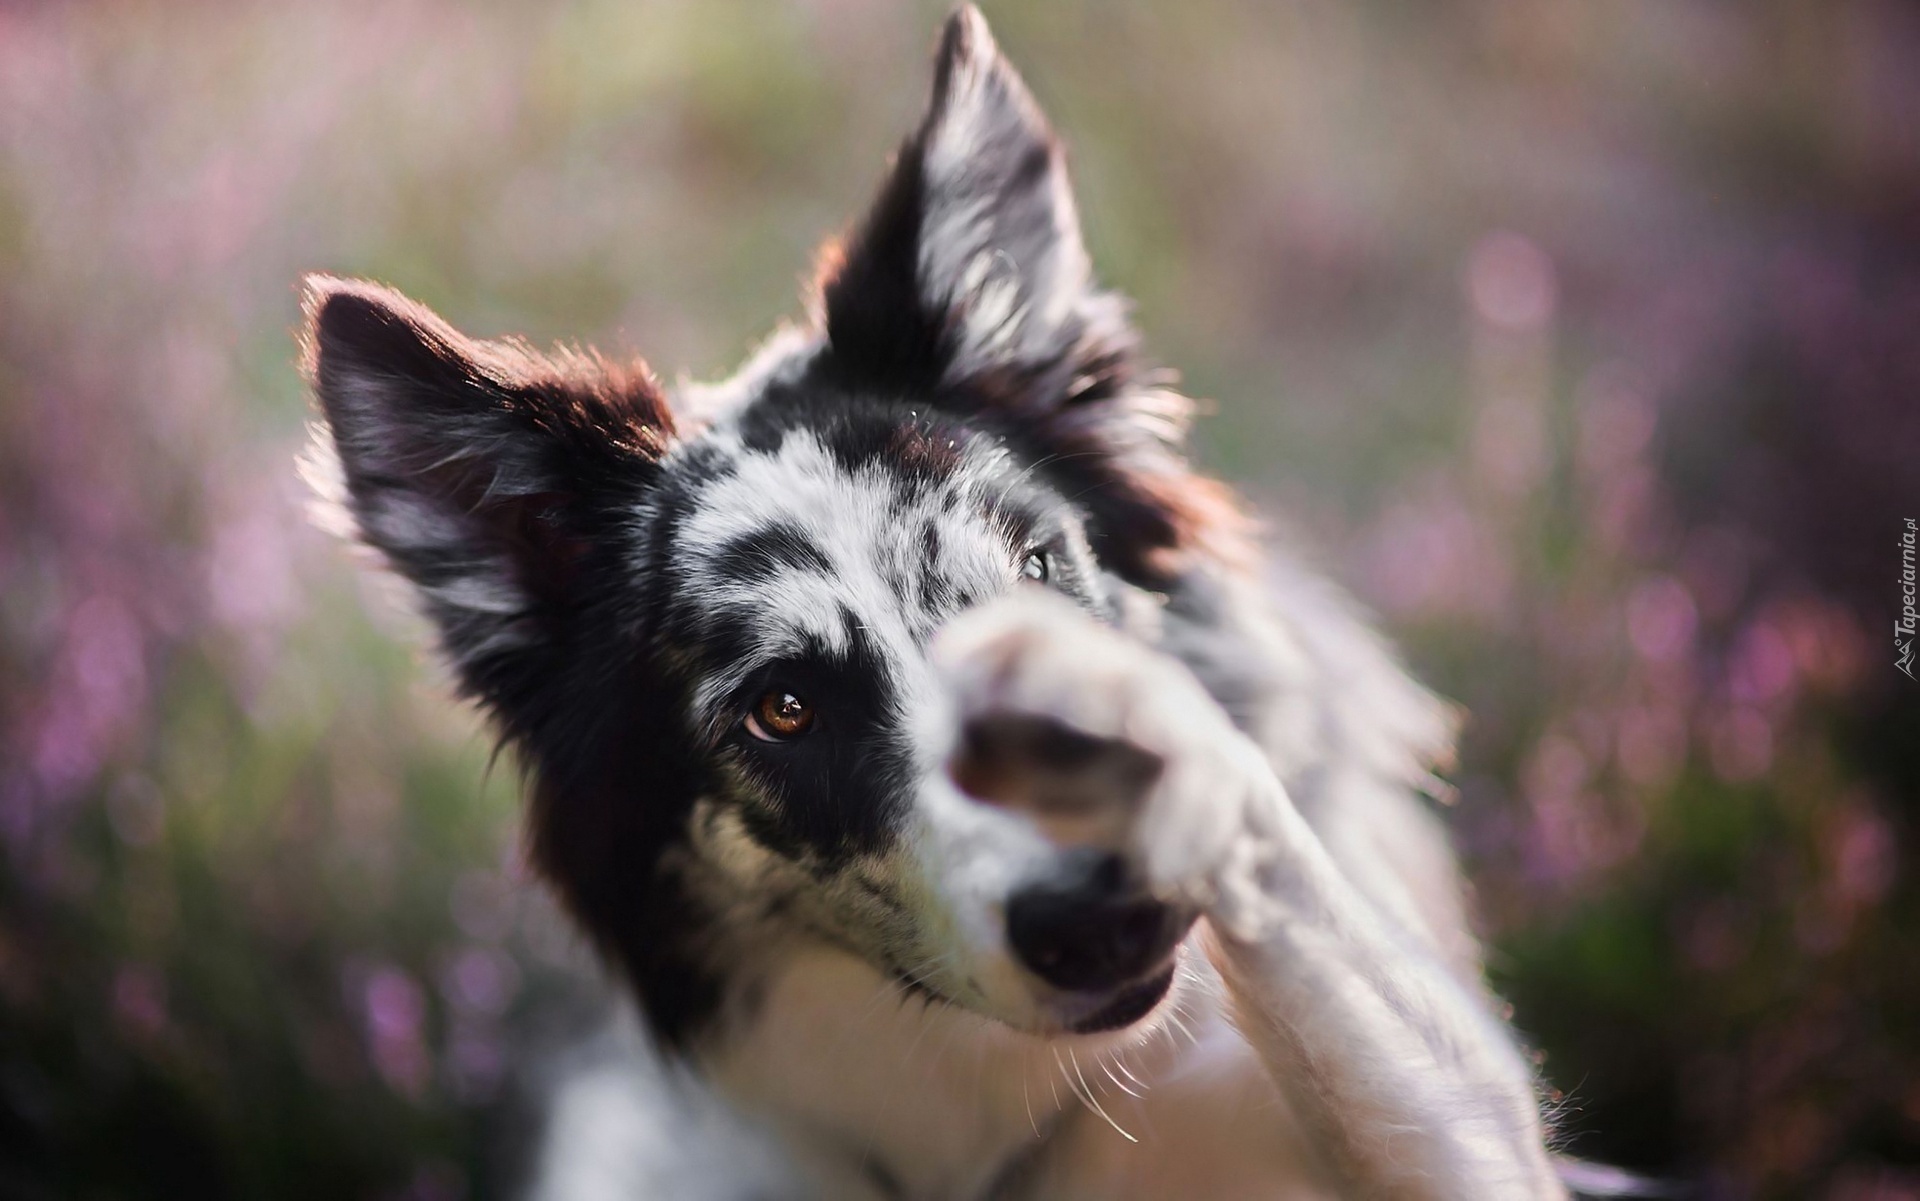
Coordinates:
[1103,739]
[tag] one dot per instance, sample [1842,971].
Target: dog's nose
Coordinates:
[1089,928]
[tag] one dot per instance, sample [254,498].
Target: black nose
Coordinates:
[1089,928]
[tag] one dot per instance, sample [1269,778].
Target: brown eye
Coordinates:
[778,716]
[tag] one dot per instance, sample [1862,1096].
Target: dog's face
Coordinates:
[712,624]
[811,582]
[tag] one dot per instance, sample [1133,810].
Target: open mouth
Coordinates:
[1128,1006]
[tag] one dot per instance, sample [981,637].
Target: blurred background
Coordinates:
[1581,341]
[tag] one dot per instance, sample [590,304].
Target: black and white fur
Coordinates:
[951,513]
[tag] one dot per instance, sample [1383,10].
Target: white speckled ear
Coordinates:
[1000,243]
[971,262]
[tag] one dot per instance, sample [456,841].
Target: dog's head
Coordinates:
[705,621]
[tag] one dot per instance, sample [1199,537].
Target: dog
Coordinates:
[968,807]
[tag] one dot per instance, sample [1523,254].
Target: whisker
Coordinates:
[1101,1061]
[947,1012]
[1066,1079]
[1173,1016]
[1096,1104]
[924,1027]
[1120,1061]
[1025,1095]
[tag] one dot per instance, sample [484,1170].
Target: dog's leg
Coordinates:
[1406,1080]
[1413,1088]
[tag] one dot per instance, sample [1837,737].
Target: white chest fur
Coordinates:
[880,1093]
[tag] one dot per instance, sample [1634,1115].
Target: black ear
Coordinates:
[968,284]
[483,470]
[970,265]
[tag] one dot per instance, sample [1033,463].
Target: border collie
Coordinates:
[969,810]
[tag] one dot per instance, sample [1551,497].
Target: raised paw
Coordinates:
[1104,741]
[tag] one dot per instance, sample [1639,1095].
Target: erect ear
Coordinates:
[968,282]
[970,266]
[482,470]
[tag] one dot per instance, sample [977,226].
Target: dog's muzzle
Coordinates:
[1089,929]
